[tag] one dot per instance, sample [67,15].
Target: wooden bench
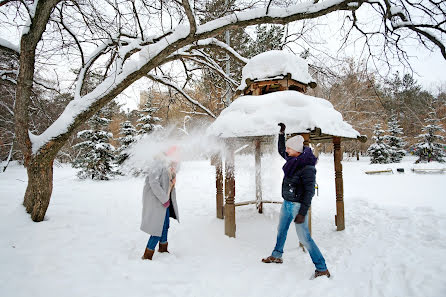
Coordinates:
[379,171]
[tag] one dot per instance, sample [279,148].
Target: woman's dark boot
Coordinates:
[148,254]
[163,247]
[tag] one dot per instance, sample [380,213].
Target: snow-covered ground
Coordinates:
[90,244]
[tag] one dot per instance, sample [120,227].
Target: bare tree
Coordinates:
[131,39]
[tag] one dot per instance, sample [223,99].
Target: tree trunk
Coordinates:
[40,187]
[40,169]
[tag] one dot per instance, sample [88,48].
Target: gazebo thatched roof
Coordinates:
[254,116]
[276,65]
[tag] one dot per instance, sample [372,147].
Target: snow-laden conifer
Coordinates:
[379,150]
[431,146]
[96,157]
[148,123]
[127,132]
[395,140]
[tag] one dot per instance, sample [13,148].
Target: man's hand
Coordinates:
[282,127]
[299,219]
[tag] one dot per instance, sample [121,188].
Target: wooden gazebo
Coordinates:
[259,85]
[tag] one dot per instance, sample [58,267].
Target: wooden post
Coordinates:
[306,137]
[339,218]
[258,169]
[229,193]
[217,162]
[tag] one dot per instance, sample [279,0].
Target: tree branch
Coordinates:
[174,86]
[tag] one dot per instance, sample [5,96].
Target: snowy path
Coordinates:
[90,245]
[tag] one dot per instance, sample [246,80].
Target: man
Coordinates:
[297,191]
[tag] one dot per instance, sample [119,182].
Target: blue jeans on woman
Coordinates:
[288,212]
[153,240]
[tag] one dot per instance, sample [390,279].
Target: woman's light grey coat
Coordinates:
[155,194]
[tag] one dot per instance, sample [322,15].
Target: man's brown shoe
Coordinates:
[318,273]
[272,259]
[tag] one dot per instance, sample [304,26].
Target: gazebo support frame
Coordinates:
[339,218]
[227,211]
[229,193]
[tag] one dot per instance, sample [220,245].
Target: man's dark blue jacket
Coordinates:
[299,176]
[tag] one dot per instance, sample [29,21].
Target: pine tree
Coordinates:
[395,140]
[378,151]
[267,38]
[431,146]
[128,133]
[96,158]
[147,122]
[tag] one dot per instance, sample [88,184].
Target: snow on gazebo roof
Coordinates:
[259,115]
[276,64]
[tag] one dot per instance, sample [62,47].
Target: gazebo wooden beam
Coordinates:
[255,87]
[229,213]
[258,175]
[339,218]
[218,163]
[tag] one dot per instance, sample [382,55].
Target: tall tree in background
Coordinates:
[266,38]
[352,91]
[9,65]
[395,140]
[408,100]
[147,122]
[128,133]
[431,146]
[379,150]
[130,39]
[97,157]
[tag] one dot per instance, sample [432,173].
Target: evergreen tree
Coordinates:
[96,158]
[395,140]
[147,122]
[378,151]
[128,133]
[267,38]
[431,146]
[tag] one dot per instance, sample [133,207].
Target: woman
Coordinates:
[159,202]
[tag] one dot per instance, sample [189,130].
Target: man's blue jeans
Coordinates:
[153,240]
[288,212]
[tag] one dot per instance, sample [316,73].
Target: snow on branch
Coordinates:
[214,66]
[154,52]
[400,18]
[8,46]
[202,59]
[300,11]
[171,84]
[100,50]
[190,16]
[215,43]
